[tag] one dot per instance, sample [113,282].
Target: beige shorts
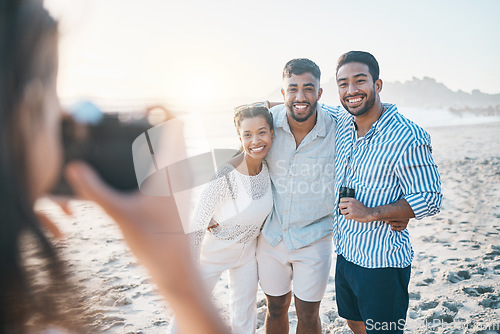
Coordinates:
[307,267]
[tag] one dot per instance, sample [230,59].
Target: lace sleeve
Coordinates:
[212,195]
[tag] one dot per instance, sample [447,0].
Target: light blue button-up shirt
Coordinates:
[302,182]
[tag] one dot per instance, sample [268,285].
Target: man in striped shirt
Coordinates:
[384,165]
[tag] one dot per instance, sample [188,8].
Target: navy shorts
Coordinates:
[379,297]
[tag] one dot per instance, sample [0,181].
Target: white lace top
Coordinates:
[239,203]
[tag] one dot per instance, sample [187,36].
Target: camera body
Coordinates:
[346,192]
[105,144]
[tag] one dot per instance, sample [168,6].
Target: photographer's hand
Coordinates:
[47,221]
[153,230]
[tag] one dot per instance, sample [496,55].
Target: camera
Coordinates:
[132,151]
[104,141]
[346,192]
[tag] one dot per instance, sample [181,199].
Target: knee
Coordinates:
[277,307]
[307,312]
[277,310]
[308,318]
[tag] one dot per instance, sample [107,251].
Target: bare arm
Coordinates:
[396,214]
[351,208]
[397,210]
[420,184]
[153,230]
[274,104]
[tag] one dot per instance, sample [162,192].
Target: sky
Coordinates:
[195,54]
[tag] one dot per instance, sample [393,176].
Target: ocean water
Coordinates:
[217,118]
[213,127]
[427,118]
[219,131]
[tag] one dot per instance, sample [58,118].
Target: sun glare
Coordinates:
[199,89]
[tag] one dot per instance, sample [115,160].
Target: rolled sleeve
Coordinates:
[420,180]
[424,204]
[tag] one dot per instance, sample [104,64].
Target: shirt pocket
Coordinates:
[378,175]
[314,177]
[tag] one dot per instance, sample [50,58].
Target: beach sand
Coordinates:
[455,283]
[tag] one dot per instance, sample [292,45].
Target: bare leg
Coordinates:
[308,317]
[277,314]
[358,327]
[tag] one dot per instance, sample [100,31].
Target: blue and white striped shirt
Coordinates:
[392,161]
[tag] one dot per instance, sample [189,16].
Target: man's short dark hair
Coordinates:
[360,57]
[299,66]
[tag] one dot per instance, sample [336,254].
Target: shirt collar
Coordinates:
[390,110]
[280,119]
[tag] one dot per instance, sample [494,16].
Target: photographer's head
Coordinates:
[29,107]
[358,82]
[254,124]
[30,159]
[301,89]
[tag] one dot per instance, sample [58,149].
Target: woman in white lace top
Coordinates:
[231,211]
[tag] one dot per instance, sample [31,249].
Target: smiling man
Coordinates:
[384,163]
[296,241]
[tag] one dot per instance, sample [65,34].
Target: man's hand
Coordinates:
[398,225]
[351,208]
[211,225]
[393,214]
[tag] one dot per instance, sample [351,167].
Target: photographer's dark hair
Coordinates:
[32,295]
[360,57]
[299,66]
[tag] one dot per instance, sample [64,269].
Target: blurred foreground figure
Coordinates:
[34,293]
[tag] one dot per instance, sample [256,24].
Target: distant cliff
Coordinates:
[423,93]
[429,93]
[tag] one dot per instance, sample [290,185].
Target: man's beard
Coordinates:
[304,118]
[369,103]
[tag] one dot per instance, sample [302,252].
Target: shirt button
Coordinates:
[286,212]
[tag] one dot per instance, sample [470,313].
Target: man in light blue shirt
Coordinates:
[296,241]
